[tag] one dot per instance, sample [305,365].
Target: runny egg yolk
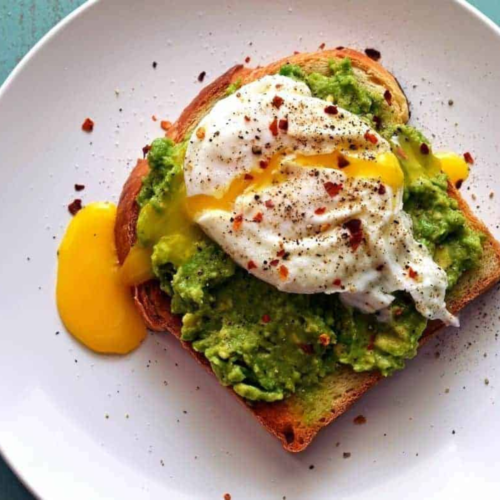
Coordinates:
[384,167]
[454,166]
[176,220]
[172,223]
[95,305]
[137,266]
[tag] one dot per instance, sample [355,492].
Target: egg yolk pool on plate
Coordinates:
[291,236]
[93,302]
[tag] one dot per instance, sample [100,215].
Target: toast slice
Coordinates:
[296,420]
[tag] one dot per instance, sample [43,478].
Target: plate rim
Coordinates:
[4,88]
[33,52]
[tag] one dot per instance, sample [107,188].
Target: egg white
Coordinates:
[295,247]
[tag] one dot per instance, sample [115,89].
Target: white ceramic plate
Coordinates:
[432,431]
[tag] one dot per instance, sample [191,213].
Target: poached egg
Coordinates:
[307,197]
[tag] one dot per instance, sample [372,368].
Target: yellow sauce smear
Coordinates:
[454,166]
[385,167]
[94,304]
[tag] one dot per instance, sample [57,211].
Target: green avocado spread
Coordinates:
[268,344]
[344,89]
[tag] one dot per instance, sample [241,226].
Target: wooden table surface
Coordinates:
[22,24]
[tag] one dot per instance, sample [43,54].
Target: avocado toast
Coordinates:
[300,413]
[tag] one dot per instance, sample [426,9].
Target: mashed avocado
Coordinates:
[233,87]
[437,221]
[165,160]
[268,344]
[342,87]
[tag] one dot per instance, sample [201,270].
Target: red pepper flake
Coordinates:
[468,158]
[459,183]
[277,101]
[360,420]
[412,273]
[382,189]
[388,97]
[332,188]
[154,118]
[247,59]
[200,133]
[237,222]
[227,496]
[424,149]
[324,339]
[320,211]
[295,52]
[201,76]
[88,125]
[371,137]
[247,118]
[373,54]
[397,311]
[281,253]
[337,282]
[283,125]
[75,206]
[145,150]
[274,127]
[269,204]
[371,344]
[258,217]
[322,46]
[274,262]
[283,272]
[331,110]
[356,231]
[251,265]
[377,121]
[308,349]
[248,177]
[325,227]
[165,125]
[266,318]
[263,164]
[342,161]
[79,187]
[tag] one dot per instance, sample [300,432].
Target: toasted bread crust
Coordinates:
[371,73]
[286,419]
[204,102]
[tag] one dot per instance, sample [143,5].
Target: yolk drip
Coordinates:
[385,167]
[94,304]
[454,166]
[174,218]
[137,266]
[172,223]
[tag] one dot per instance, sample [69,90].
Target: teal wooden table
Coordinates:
[22,24]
